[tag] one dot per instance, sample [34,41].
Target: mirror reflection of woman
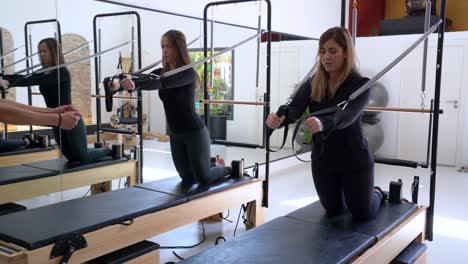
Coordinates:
[189,139]
[55,87]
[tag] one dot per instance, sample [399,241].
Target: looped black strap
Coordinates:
[128,222]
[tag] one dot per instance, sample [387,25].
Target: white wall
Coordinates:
[301,17]
[375,53]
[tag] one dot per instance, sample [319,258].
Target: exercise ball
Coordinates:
[374,134]
[378,97]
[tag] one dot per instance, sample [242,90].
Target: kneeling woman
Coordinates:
[55,87]
[189,140]
[342,166]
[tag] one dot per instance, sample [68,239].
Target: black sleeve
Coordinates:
[298,104]
[353,110]
[27,80]
[41,79]
[177,80]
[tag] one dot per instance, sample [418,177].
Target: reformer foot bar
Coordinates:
[38,178]
[308,236]
[29,155]
[98,224]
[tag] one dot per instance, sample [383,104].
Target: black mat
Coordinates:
[288,240]
[173,185]
[24,151]
[41,226]
[389,216]
[20,173]
[65,166]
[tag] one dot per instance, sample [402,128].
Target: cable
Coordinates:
[187,247]
[237,223]
[226,217]
[87,192]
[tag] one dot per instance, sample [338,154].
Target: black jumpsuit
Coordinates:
[342,166]
[73,143]
[189,138]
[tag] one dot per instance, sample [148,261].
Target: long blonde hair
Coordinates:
[320,81]
[178,41]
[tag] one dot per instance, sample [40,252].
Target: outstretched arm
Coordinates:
[19,114]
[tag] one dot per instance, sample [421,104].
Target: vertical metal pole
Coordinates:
[30,60]
[205,65]
[132,68]
[354,26]
[5,125]
[435,133]
[140,102]
[426,27]
[267,109]
[97,76]
[343,13]
[212,49]
[259,41]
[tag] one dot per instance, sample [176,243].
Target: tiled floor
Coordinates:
[291,187]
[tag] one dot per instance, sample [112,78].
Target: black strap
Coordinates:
[285,136]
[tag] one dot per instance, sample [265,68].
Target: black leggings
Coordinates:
[339,189]
[11,144]
[191,156]
[74,145]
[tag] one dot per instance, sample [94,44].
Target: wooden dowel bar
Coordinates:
[231,102]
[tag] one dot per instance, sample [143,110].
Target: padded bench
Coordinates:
[308,236]
[28,155]
[33,179]
[114,220]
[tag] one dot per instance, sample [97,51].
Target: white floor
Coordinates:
[291,187]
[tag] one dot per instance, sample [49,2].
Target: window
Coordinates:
[220,87]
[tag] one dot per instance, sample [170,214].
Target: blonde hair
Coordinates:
[320,81]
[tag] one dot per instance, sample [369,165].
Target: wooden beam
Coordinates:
[17,159]
[29,189]
[386,249]
[114,237]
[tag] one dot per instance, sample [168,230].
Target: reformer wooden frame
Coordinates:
[114,237]
[17,159]
[69,180]
[393,243]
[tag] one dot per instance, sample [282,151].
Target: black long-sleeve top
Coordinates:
[344,146]
[177,93]
[54,94]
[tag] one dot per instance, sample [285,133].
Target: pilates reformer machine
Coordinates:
[29,172]
[110,222]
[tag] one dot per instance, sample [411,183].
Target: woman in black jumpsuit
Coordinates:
[189,138]
[342,166]
[55,87]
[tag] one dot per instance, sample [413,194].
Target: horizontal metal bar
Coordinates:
[235,144]
[83,59]
[11,52]
[65,54]
[232,102]
[159,61]
[118,131]
[395,109]
[371,82]
[191,65]
[18,61]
